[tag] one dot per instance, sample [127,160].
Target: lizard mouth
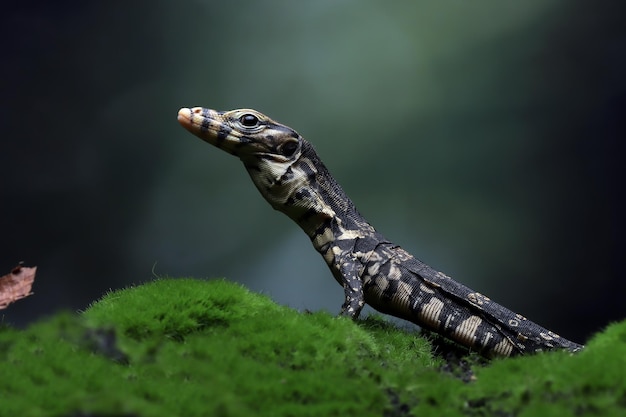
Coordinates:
[206,124]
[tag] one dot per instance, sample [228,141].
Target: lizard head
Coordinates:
[273,154]
[245,133]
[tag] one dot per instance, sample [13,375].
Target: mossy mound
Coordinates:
[590,383]
[203,348]
[211,348]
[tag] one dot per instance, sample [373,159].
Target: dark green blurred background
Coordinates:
[485,137]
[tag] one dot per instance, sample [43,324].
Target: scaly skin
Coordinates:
[371,269]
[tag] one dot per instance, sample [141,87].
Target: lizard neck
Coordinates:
[307,193]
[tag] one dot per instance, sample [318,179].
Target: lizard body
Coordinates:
[287,171]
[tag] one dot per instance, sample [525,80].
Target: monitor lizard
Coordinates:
[289,174]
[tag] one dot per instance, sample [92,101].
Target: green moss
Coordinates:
[198,348]
[555,383]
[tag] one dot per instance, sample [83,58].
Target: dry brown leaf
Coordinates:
[16,285]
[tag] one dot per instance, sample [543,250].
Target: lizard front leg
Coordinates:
[350,279]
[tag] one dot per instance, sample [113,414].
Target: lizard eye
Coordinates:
[249,120]
[289,148]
